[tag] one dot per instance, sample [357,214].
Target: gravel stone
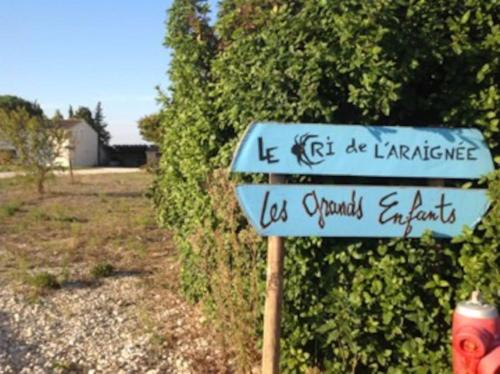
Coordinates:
[103,330]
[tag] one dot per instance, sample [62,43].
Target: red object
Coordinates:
[476,338]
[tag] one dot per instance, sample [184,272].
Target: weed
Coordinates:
[159,338]
[39,215]
[144,220]
[43,281]
[65,272]
[102,270]
[141,249]
[70,219]
[64,367]
[10,209]
[59,214]
[103,198]
[15,264]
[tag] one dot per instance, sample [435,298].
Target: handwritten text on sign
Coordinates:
[363,150]
[360,211]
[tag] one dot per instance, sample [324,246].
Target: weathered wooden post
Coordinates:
[274,298]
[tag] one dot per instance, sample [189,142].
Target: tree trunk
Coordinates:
[71,170]
[40,183]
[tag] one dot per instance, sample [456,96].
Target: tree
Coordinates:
[100,125]
[71,114]
[37,140]
[9,102]
[85,113]
[57,116]
[96,121]
[150,127]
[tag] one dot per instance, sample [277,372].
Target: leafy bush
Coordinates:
[350,305]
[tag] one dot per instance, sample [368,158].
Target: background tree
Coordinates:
[37,140]
[150,128]
[57,116]
[100,125]
[95,120]
[85,113]
[71,113]
[9,102]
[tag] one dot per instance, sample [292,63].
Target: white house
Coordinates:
[81,146]
[6,146]
[7,152]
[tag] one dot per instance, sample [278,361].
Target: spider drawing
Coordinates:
[299,150]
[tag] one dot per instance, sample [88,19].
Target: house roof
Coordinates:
[135,147]
[69,123]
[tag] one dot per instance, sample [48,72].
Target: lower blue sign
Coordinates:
[360,211]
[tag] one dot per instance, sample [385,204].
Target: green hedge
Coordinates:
[350,305]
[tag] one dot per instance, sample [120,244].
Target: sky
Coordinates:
[61,53]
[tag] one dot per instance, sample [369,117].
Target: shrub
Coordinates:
[349,305]
[43,281]
[6,157]
[102,270]
[9,209]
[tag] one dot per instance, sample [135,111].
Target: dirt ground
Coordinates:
[98,218]
[9,172]
[98,239]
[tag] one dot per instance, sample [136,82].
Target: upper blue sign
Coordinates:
[378,151]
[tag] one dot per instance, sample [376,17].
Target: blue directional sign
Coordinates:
[382,151]
[360,211]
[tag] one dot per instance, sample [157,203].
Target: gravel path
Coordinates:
[115,327]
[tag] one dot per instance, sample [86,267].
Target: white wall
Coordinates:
[85,143]
[63,158]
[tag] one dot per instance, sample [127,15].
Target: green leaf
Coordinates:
[465,17]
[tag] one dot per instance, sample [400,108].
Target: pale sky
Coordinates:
[79,52]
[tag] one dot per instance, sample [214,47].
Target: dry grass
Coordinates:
[99,219]
[102,225]
[233,255]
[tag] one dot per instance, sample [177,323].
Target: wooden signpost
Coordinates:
[277,210]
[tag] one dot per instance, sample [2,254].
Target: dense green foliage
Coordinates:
[350,305]
[150,127]
[10,102]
